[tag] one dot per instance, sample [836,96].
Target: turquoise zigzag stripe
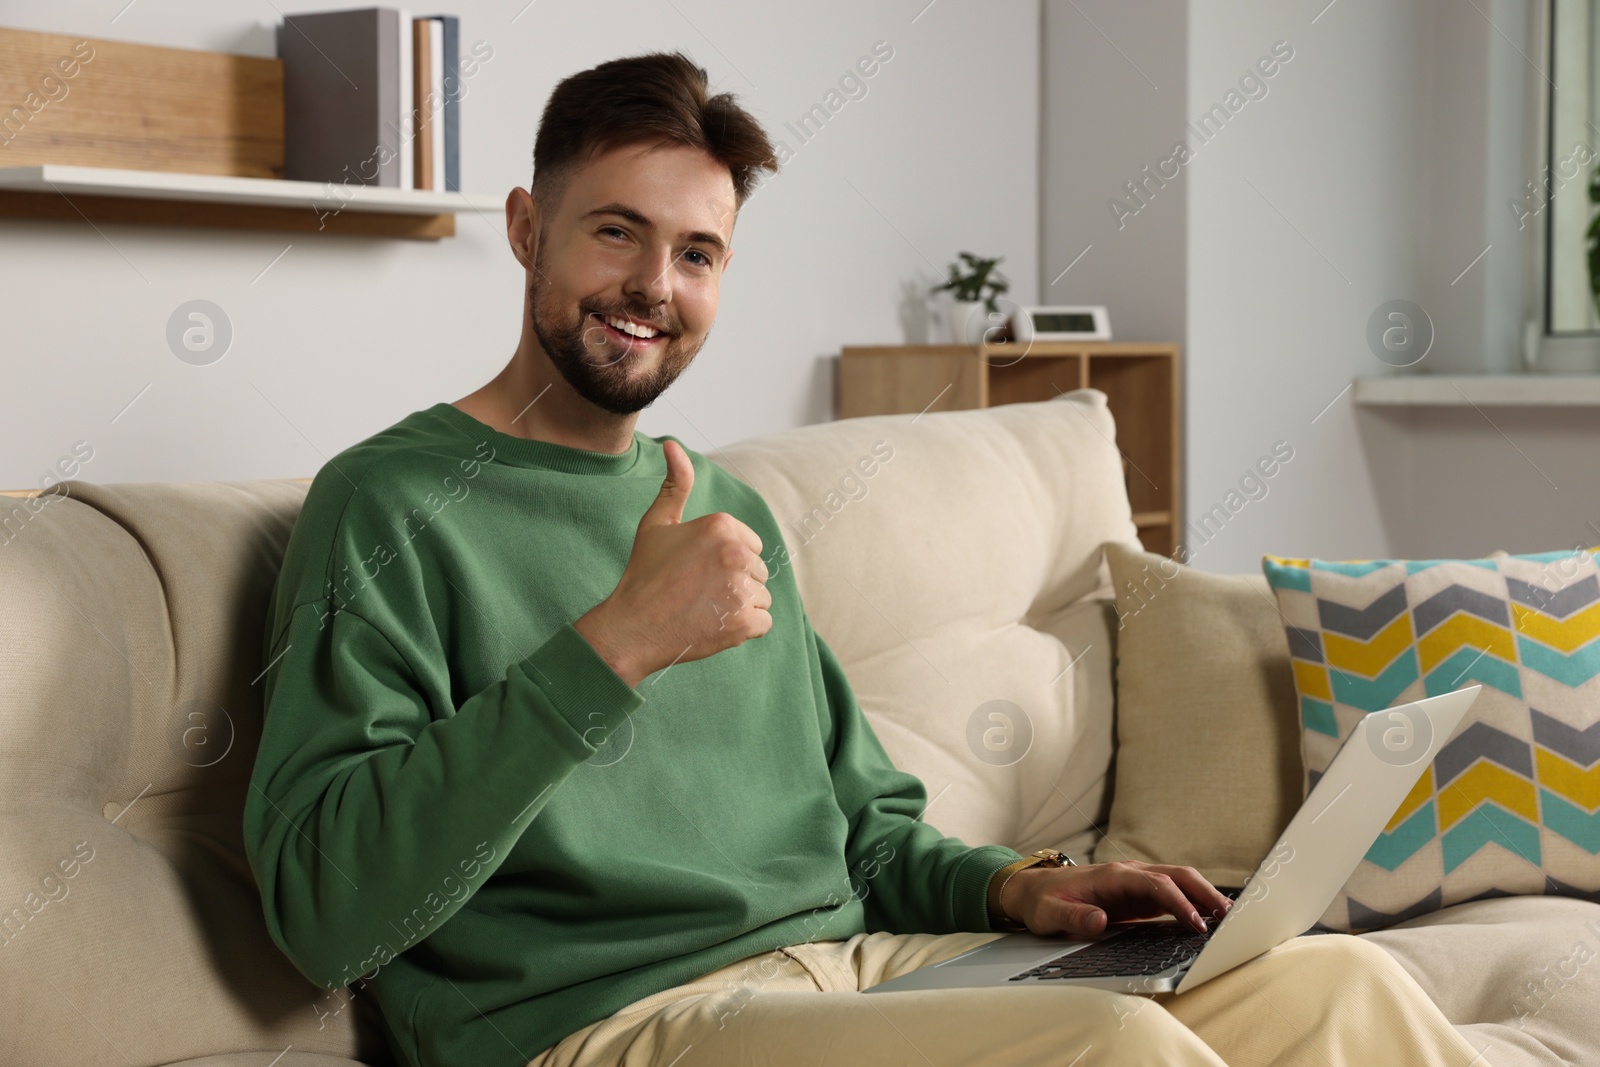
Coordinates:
[1416,565]
[1380,692]
[1571,821]
[1281,577]
[1475,665]
[1571,670]
[1392,849]
[1490,823]
[1318,715]
[1353,570]
[1552,556]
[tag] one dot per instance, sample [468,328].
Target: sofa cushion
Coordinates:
[952,561]
[1511,804]
[128,726]
[1518,976]
[1208,742]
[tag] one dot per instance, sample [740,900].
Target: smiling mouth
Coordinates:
[626,331]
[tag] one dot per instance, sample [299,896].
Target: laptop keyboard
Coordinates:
[1143,949]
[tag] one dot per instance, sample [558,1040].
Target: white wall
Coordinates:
[1376,167]
[1114,90]
[1402,134]
[1302,220]
[1522,480]
[1264,255]
[343,336]
[1476,97]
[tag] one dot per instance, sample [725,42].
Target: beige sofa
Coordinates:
[962,579]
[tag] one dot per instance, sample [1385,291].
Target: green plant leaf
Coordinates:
[977,281]
[1592,242]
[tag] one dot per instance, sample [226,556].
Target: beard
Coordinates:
[598,368]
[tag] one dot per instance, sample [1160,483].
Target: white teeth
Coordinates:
[630,327]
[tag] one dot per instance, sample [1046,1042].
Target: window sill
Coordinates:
[1478,390]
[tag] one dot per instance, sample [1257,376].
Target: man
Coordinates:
[553,761]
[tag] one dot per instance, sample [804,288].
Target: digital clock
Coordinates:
[1086,323]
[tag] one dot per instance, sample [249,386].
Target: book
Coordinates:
[451,81]
[422,73]
[343,97]
[436,99]
[406,130]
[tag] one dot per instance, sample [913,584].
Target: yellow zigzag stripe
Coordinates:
[1465,630]
[1368,658]
[1487,781]
[1311,680]
[1574,633]
[1420,794]
[1580,786]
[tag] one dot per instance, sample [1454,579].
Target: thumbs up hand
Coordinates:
[689,590]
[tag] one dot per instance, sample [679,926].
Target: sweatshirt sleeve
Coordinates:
[910,877]
[365,794]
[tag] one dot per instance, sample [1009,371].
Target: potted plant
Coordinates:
[972,287]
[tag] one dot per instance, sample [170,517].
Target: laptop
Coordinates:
[1374,770]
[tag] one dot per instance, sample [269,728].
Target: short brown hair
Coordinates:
[659,97]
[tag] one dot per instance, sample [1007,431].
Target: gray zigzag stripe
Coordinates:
[1365,918]
[1562,602]
[1555,887]
[1363,623]
[1446,602]
[1580,746]
[1304,644]
[1481,739]
[1492,893]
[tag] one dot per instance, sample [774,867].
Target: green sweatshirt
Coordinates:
[459,806]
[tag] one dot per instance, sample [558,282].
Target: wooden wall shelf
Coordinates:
[176,137]
[114,195]
[1141,383]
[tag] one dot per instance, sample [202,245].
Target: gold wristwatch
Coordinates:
[1044,857]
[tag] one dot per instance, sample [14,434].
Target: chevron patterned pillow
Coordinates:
[1511,804]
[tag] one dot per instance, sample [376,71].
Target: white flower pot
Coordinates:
[969,319]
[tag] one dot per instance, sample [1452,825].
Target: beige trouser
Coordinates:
[1324,1000]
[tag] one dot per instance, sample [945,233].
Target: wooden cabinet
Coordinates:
[1140,381]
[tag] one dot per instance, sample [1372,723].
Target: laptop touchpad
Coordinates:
[1018,951]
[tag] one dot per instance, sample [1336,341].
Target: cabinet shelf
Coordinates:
[1140,381]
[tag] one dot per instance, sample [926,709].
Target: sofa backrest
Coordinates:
[957,580]
[130,639]
[951,560]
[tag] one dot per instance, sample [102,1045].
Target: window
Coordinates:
[1571,185]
